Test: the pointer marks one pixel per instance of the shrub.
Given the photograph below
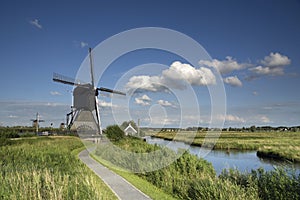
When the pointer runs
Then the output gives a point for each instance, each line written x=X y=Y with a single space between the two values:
x=114 y=133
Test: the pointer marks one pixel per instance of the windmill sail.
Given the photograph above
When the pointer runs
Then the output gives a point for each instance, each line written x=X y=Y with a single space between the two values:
x=111 y=91
x=65 y=80
x=92 y=68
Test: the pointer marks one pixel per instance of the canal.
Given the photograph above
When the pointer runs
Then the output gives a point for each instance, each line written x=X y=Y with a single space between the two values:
x=221 y=159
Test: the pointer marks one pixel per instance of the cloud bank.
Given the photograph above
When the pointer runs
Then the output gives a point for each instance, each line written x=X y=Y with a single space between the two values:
x=224 y=66
x=272 y=65
x=175 y=77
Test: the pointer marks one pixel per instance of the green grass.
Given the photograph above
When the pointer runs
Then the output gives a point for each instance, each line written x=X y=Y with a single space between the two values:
x=47 y=168
x=284 y=144
x=176 y=180
x=189 y=177
x=140 y=183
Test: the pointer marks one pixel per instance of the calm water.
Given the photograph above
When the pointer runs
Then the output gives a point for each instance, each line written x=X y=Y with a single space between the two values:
x=241 y=160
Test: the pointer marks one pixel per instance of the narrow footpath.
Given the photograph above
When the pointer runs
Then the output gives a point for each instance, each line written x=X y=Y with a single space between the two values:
x=123 y=189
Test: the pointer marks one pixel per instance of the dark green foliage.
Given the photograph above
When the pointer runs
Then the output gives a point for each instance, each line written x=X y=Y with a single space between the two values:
x=4 y=141
x=114 y=133
x=126 y=123
x=275 y=184
x=7 y=133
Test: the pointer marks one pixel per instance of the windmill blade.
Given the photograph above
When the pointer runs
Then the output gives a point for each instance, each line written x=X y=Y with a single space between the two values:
x=64 y=79
x=98 y=115
x=110 y=91
x=92 y=69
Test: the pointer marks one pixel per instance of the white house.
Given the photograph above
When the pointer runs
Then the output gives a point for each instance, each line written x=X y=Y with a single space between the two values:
x=129 y=130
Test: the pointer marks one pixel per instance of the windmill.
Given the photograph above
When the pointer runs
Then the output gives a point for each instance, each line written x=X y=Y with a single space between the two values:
x=85 y=111
x=35 y=122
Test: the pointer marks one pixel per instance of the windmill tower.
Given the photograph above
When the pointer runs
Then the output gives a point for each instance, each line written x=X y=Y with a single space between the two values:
x=35 y=122
x=84 y=116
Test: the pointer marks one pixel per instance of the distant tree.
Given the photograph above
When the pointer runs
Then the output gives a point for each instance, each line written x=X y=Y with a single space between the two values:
x=252 y=128
x=114 y=133
x=126 y=123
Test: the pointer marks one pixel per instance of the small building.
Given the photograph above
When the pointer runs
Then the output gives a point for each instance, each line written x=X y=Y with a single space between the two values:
x=129 y=130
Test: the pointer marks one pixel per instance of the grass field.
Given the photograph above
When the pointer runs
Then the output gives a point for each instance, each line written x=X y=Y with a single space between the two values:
x=281 y=145
x=189 y=177
x=47 y=168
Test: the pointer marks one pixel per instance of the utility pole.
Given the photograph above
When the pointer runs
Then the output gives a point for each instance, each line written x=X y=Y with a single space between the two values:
x=37 y=123
x=138 y=128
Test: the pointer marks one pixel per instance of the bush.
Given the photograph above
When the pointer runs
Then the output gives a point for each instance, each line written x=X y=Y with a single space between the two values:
x=114 y=133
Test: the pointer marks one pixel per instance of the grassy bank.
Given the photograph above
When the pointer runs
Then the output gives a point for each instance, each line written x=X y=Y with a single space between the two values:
x=47 y=168
x=284 y=144
x=149 y=189
x=189 y=177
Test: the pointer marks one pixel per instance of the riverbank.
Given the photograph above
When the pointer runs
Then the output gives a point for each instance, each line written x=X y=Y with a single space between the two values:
x=285 y=145
x=190 y=177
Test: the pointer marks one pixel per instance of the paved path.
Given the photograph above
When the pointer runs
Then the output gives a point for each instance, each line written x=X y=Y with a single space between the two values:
x=123 y=189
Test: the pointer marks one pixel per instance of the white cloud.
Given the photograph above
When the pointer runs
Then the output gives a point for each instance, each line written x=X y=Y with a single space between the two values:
x=55 y=93
x=224 y=66
x=272 y=65
x=83 y=44
x=234 y=118
x=175 y=77
x=264 y=119
x=36 y=23
x=255 y=93
x=231 y=118
x=105 y=104
x=233 y=81
x=143 y=100
x=165 y=103
x=158 y=121
x=276 y=60
x=269 y=71
x=149 y=83
x=185 y=72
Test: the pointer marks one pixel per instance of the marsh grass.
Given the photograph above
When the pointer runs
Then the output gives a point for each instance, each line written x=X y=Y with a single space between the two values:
x=189 y=177
x=46 y=168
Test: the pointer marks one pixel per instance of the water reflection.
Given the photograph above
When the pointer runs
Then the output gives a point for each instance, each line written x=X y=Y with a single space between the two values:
x=241 y=160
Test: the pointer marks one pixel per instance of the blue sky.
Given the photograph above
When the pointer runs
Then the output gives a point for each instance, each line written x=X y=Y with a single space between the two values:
x=254 y=44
